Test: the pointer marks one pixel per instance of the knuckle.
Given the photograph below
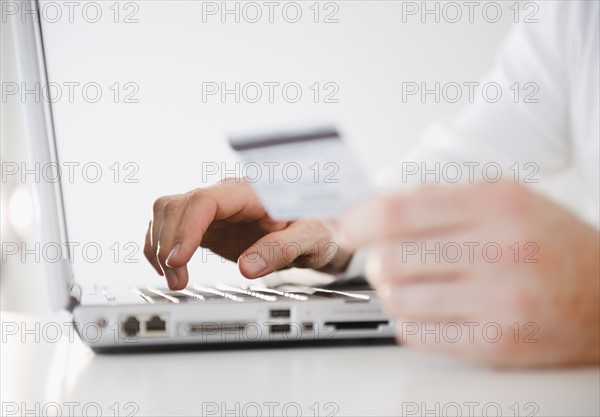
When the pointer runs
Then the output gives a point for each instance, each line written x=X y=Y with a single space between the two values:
x=196 y=196
x=272 y=250
x=318 y=228
x=200 y=197
x=278 y=245
x=171 y=206
x=159 y=203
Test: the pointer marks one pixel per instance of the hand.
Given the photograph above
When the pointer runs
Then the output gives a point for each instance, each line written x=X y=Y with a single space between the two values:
x=229 y=220
x=523 y=289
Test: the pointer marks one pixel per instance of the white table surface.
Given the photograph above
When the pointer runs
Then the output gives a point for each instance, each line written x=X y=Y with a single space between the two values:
x=382 y=380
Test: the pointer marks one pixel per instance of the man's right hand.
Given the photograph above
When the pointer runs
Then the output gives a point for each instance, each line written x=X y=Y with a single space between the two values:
x=229 y=219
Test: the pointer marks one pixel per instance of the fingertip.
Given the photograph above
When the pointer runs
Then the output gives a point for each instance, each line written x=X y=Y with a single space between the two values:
x=252 y=266
x=177 y=278
x=244 y=271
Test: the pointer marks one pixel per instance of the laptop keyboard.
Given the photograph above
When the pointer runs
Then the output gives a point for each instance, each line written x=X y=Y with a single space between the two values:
x=252 y=293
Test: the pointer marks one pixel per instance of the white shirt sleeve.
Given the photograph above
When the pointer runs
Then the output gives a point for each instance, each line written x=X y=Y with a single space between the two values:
x=546 y=136
x=535 y=129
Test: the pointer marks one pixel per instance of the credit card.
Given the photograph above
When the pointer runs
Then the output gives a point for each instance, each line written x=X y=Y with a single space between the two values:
x=302 y=173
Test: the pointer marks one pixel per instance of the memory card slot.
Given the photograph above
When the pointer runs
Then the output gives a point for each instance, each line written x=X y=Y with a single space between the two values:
x=357 y=325
x=215 y=327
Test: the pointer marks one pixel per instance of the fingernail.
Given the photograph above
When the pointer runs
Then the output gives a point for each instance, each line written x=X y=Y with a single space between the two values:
x=171 y=278
x=172 y=253
x=254 y=264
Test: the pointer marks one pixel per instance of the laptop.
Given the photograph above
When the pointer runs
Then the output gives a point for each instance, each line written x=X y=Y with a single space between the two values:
x=216 y=315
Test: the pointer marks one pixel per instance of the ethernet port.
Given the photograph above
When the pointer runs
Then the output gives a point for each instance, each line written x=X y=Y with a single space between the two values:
x=131 y=326
x=156 y=324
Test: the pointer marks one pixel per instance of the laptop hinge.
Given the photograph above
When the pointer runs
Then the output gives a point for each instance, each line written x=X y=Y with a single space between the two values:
x=74 y=297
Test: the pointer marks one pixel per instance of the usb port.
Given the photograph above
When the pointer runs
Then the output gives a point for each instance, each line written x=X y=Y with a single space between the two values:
x=280 y=328
x=280 y=313
x=156 y=324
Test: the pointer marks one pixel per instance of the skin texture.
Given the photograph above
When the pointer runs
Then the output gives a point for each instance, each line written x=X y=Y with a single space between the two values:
x=228 y=219
x=542 y=293
x=530 y=299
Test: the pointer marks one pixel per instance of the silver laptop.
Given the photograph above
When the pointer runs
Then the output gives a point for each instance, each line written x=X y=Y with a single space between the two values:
x=215 y=315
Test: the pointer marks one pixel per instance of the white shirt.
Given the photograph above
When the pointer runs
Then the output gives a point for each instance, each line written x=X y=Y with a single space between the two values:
x=560 y=133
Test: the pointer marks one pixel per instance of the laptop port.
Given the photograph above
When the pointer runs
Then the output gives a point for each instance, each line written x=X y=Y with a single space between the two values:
x=308 y=326
x=280 y=328
x=357 y=325
x=280 y=313
x=215 y=327
x=156 y=325
x=131 y=326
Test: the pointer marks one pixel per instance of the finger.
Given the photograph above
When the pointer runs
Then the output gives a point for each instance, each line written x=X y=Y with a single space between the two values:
x=269 y=225
x=280 y=249
x=445 y=301
x=321 y=249
x=157 y=215
x=177 y=278
x=506 y=302
x=398 y=262
x=230 y=200
x=149 y=253
x=426 y=211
